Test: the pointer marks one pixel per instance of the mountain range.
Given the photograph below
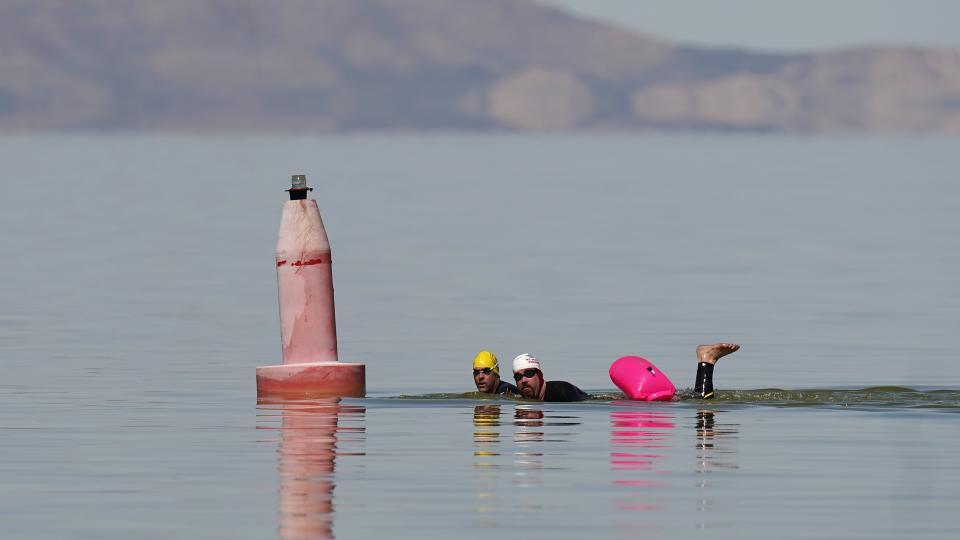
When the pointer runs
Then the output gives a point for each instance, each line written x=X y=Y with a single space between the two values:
x=451 y=65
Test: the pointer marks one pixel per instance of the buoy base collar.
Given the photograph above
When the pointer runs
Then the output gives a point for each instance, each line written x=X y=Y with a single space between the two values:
x=312 y=379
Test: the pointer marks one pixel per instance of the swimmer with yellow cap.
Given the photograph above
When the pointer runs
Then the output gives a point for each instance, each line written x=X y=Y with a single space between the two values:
x=486 y=375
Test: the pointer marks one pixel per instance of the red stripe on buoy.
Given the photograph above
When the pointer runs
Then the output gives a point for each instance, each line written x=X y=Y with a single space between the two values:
x=311 y=262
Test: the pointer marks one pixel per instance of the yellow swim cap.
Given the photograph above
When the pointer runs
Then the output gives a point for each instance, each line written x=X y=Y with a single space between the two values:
x=486 y=359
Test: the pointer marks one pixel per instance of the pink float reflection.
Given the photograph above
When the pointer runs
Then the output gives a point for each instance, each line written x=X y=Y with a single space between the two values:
x=638 y=438
x=310 y=432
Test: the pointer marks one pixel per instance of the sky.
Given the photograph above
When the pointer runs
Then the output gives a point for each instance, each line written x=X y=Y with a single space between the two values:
x=783 y=25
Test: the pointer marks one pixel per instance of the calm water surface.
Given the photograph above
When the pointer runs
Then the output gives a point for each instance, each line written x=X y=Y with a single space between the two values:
x=138 y=294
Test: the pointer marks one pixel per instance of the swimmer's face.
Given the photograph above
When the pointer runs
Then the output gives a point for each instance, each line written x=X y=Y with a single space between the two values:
x=529 y=382
x=486 y=380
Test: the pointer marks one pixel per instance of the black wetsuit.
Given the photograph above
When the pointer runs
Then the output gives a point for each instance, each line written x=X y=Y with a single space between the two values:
x=563 y=391
x=506 y=388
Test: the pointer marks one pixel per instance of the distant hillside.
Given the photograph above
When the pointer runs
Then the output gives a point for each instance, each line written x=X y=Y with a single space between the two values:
x=338 y=65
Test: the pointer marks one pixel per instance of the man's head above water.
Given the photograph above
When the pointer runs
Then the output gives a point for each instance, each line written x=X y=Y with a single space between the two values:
x=526 y=371
x=486 y=372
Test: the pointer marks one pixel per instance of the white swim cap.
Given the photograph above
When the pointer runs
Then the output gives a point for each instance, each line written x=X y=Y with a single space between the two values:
x=525 y=361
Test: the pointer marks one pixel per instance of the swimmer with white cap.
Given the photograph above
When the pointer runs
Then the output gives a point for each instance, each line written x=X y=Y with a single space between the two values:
x=486 y=375
x=530 y=382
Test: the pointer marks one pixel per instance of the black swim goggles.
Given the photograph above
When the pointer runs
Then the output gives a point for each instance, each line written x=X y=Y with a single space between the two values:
x=525 y=373
x=485 y=371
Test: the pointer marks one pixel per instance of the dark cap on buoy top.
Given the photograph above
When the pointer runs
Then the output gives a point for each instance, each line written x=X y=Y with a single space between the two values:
x=298 y=187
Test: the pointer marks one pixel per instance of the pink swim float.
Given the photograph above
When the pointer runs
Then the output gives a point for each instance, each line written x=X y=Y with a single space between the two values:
x=641 y=380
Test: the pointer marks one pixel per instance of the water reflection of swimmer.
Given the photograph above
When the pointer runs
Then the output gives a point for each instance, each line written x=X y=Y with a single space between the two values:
x=529 y=436
x=536 y=432
x=486 y=432
x=712 y=446
x=712 y=451
x=486 y=375
x=486 y=441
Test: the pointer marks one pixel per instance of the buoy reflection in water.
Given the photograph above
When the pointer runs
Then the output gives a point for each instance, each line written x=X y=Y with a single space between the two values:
x=311 y=432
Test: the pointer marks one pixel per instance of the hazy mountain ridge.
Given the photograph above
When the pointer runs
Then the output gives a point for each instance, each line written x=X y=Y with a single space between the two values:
x=332 y=65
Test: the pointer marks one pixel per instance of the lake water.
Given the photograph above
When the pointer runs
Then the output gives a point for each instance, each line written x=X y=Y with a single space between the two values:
x=137 y=295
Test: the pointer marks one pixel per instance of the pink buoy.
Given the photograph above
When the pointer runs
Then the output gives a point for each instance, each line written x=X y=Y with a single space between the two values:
x=308 y=329
x=641 y=380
